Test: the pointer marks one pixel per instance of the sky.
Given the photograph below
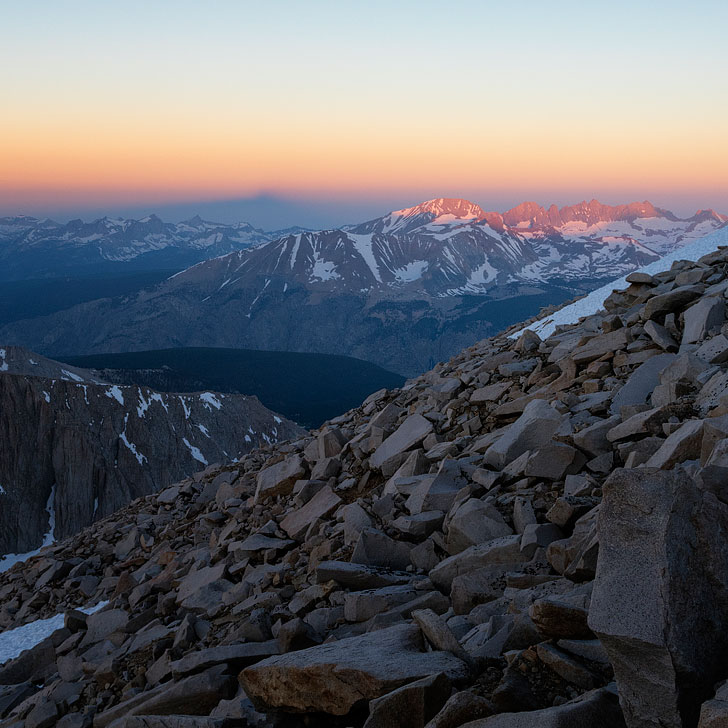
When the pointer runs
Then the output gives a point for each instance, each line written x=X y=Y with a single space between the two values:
x=312 y=112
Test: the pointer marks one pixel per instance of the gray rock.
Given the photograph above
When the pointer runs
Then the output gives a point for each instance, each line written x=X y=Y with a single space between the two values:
x=641 y=382
x=437 y=493
x=533 y=429
x=297 y=522
x=660 y=598
x=410 y=433
x=707 y=314
x=661 y=336
x=683 y=444
x=460 y=708
x=410 y=706
x=280 y=478
x=375 y=548
x=474 y=522
x=673 y=300
x=194 y=695
x=357 y=576
x=595 y=709
x=505 y=550
x=714 y=351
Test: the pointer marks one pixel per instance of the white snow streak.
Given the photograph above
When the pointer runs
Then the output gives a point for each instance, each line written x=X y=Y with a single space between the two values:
x=195 y=452
x=115 y=393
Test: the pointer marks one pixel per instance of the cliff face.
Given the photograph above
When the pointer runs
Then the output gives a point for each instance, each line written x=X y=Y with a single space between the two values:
x=103 y=445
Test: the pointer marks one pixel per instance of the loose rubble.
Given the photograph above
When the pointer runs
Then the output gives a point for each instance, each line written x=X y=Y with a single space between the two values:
x=529 y=535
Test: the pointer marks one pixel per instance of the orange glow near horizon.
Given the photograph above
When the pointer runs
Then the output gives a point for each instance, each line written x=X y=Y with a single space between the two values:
x=183 y=162
x=105 y=104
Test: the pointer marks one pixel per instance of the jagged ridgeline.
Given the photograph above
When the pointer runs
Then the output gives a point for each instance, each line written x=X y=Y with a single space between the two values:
x=531 y=534
x=402 y=291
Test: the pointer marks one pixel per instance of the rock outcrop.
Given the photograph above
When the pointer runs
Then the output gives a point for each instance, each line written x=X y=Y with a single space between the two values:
x=316 y=582
x=74 y=449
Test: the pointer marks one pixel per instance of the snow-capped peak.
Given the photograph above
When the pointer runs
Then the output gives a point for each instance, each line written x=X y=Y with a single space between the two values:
x=458 y=208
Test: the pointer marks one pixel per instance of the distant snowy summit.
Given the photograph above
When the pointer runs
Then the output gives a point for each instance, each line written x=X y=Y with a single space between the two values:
x=452 y=247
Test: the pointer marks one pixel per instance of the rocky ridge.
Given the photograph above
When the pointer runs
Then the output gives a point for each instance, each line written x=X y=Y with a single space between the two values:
x=531 y=534
x=74 y=448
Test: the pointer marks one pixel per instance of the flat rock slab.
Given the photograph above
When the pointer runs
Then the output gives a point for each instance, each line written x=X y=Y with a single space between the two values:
x=412 y=431
x=236 y=656
x=333 y=677
x=296 y=523
x=358 y=576
x=641 y=382
x=595 y=709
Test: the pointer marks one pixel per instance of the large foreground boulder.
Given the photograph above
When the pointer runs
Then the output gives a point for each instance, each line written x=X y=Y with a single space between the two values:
x=660 y=599
x=333 y=677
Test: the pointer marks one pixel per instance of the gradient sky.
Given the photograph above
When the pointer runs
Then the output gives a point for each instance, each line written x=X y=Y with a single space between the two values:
x=172 y=105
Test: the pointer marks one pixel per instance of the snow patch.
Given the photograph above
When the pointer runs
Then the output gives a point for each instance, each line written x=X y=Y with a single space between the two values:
x=195 y=452
x=210 y=399
x=324 y=270
x=411 y=272
x=15 y=641
x=115 y=393
x=4 y=366
x=71 y=375
x=363 y=245
x=9 y=560
x=185 y=407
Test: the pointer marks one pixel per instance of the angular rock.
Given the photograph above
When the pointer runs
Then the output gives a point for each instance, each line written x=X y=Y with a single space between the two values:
x=707 y=314
x=683 y=444
x=641 y=382
x=375 y=548
x=296 y=523
x=475 y=522
x=280 y=478
x=660 y=598
x=410 y=706
x=595 y=709
x=334 y=677
x=411 y=432
x=533 y=429
x=673 y=300
x=505 y=550
x=357 y=576
x=437 y=493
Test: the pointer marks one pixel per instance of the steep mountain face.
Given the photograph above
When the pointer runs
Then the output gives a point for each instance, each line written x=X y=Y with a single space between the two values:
x=74 y=448
x=402 y=291
x=530 y=535
x=32 y=248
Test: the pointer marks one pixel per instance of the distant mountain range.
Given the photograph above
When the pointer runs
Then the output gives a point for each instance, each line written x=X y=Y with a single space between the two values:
x=32 y=248
x=403 y=290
